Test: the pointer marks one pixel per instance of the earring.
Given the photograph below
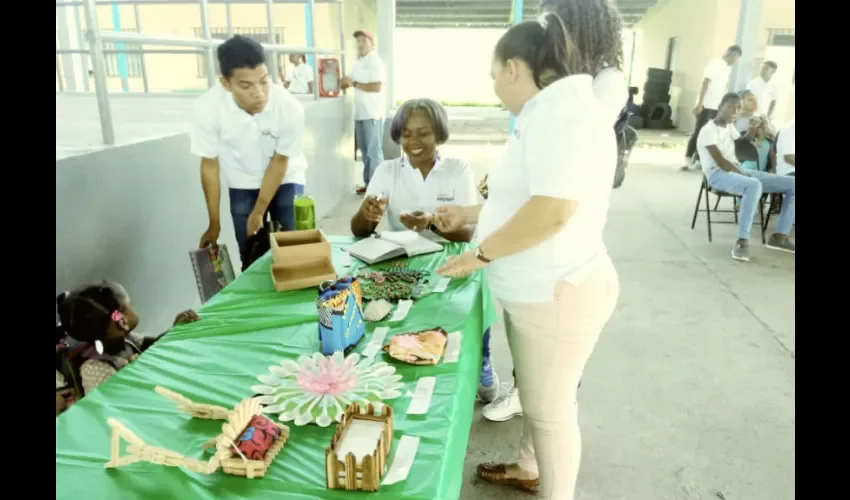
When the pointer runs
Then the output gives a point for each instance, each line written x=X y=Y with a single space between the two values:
x=98 y=346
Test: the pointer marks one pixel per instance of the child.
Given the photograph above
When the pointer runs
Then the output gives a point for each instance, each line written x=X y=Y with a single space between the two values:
x=101 y=317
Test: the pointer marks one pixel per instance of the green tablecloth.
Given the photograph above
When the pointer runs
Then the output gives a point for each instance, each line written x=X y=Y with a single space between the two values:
x=246 y=328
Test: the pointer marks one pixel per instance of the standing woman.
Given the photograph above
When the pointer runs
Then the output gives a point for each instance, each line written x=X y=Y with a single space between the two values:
x=596 y=30
x=540 y=241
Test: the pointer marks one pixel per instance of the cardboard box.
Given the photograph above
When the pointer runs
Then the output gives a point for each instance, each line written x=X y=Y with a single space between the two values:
x=302 y=259
x=304 y=273
x=290 y=246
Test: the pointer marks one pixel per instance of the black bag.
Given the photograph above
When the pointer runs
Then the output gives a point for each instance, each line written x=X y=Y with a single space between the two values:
x=626 y=139
x=257 y=245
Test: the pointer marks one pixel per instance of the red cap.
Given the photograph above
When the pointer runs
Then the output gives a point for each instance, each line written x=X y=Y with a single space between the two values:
x=367 y=34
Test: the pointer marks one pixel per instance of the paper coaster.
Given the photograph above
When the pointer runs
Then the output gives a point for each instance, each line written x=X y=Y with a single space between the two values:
x=402 y=310
x=376 y=343
x=422 y=396
x=452 y=348
x=405 y=453
x=442 y=284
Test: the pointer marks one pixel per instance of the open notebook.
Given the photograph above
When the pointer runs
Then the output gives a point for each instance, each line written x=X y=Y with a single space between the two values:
x=391 y=244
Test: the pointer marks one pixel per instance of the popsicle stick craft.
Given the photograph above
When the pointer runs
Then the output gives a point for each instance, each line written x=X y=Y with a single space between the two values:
x=247 y=445
x=357 y=456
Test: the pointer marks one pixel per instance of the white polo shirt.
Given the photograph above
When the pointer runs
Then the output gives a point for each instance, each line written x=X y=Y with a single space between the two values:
x=369 y=105
x=723 y=138
x=718 y=72
x=785 y=146
x=450 y=182
x=244 y=143
x=611 y=89
x=765 y=93
x=299 y=77
x=562 y=147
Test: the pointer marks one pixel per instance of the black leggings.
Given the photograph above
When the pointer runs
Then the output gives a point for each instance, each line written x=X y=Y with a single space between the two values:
x=705 y=116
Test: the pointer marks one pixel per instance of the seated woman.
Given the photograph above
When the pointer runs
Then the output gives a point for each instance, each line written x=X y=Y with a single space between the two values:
x=101 y=318
x=408 y=189
x=763 y=138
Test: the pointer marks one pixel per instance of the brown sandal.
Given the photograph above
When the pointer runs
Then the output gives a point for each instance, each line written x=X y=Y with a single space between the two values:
x=495 y=474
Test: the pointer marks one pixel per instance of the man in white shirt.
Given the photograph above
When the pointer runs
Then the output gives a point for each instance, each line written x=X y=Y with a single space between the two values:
x=716 y=147
x=300 y=79
x=251 y=130
x=785 y=164
x=764 y=88
x=715 y=80
x=367 y=77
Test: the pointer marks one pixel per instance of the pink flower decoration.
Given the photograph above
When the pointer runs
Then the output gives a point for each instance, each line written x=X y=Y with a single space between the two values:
x=331 y=378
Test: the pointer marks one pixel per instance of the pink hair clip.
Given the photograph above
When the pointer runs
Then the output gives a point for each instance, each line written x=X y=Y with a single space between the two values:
x=117 y=316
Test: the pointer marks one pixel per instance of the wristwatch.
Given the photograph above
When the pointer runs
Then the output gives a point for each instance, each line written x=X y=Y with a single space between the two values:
x=481 y=257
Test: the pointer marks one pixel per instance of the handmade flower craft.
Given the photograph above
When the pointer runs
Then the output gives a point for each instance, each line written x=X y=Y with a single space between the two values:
x=317 y=389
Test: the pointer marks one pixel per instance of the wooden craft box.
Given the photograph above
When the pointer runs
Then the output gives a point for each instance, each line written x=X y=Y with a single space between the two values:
x=365 y=475
x=302 y=259
x=237 y=420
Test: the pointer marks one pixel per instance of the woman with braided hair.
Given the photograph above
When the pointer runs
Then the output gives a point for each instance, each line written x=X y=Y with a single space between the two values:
x=101 y=318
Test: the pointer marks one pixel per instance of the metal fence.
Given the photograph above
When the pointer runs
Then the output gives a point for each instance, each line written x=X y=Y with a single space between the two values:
x=132 y=43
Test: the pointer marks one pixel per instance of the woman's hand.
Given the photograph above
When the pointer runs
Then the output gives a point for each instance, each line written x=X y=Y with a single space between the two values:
x=461 y=266
x=373 y=209
x=450 y=218
x=417 y=221
x=187 y=316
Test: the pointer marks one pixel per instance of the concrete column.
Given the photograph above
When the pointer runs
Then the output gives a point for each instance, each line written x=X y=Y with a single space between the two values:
x=749 y=20
x=74 y=72
x=386 y=47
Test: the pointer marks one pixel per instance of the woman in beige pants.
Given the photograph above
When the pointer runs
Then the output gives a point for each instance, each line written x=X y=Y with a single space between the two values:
x=540 y=241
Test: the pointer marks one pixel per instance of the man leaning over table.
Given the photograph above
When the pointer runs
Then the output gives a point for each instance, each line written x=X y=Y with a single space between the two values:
x=251 y=130
x=367 y=77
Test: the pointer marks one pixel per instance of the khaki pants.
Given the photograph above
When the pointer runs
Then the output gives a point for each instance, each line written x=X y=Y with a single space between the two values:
x=550 y=345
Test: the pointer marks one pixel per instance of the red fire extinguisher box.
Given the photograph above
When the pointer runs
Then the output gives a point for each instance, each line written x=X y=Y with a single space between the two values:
x=329 y=76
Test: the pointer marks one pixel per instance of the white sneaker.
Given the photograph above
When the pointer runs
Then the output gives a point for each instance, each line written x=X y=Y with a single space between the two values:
x=504 y=407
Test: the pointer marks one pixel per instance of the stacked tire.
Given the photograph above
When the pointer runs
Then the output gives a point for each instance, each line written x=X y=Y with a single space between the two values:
x=656 y=110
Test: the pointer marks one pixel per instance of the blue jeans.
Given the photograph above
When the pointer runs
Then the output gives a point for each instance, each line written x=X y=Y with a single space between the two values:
x=486 y=349
x=750 y=188
x=370 y=135
x=281 y=209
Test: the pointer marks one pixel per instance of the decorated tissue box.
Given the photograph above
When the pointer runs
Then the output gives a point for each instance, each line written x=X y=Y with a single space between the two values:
x=340 y=311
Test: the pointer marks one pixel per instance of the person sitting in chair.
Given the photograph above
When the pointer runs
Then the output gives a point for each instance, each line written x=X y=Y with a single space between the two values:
x=763 y=136
x=716 y=149
x=785 y=150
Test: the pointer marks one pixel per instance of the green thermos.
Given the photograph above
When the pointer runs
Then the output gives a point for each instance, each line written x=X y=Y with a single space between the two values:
x=305 y=213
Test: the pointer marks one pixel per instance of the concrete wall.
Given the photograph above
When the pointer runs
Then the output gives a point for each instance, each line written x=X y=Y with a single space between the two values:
x=131 y=213
x=695 y=24
x=704 y=28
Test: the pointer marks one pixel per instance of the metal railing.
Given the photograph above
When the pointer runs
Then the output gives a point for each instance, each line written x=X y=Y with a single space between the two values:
x=205 y=45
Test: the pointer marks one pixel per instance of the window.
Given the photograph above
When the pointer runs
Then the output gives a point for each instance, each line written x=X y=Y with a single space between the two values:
x=134 y=60
x=781 y=38
x=258 y=34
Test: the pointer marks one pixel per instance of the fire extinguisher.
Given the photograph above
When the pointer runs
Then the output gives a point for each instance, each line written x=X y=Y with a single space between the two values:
x=329 y=77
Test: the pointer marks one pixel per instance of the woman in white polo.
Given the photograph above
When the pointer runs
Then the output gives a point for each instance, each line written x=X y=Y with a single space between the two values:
x=540 y=241
x=407 y=190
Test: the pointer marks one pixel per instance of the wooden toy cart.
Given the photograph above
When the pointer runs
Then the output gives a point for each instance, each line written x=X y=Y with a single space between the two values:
x=365 y=475
x=226 y=456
